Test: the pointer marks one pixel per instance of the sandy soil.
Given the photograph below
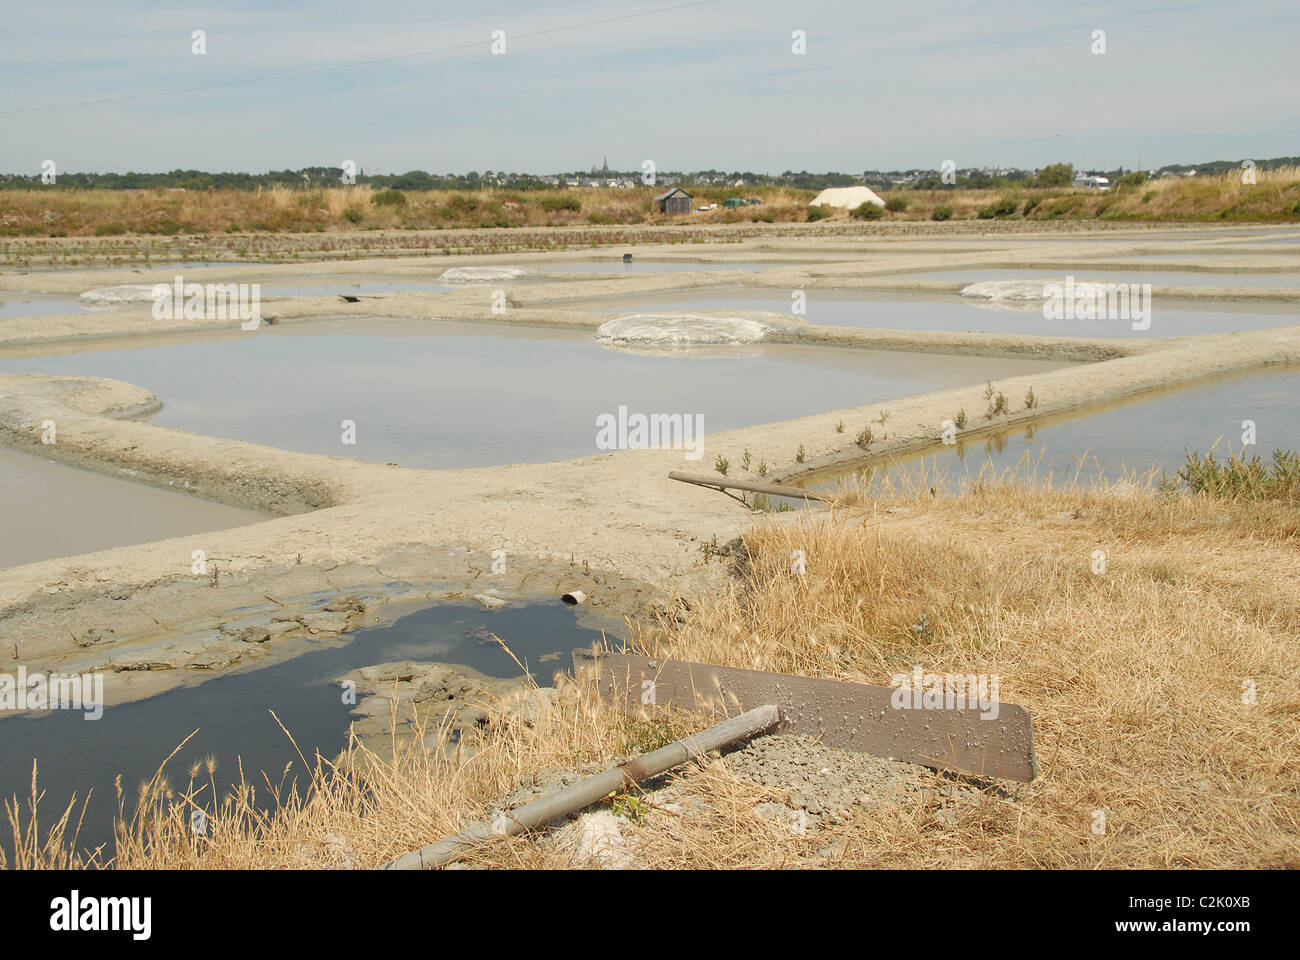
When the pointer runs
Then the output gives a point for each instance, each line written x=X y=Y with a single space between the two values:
x=613 y=524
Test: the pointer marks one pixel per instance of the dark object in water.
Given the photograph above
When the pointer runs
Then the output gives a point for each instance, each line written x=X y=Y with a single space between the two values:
x=347 y=299
x=627 y=258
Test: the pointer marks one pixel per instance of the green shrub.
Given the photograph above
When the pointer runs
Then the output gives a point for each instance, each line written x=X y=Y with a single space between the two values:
x=390 y=198
x=552 y=204
x=350 y=214
x=896 y=203
x=1006 y=205
x=941 y=212
x=868 y=211
x=109 y=229
x=459 y=204
x=1055 y=175
x=1239 y=478
x=818 y=212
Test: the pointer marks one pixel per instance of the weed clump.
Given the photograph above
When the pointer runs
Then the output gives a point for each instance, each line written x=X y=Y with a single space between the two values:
x=1240 y=479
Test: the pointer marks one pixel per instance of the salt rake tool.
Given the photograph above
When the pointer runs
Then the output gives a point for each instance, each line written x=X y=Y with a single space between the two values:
x=586 y=792
x=771 y=489
x=987 y=740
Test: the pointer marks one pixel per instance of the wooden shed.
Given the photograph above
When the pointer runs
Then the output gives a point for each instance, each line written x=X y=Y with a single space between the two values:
x=675 y=200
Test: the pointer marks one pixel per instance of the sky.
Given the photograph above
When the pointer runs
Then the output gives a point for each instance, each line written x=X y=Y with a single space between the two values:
x=397 y=85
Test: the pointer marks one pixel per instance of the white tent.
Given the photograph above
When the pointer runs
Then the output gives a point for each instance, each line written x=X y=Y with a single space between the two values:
x=849 y=198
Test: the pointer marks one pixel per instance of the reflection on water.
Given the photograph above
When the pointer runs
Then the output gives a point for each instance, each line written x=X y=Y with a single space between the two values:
x=231 y=713
x=441 y=394
x=652 y=266
x=13 y=304
x=52 y=510
x=900 y=311
x=1287 y=277
x=1152 y=433
x=353 y=288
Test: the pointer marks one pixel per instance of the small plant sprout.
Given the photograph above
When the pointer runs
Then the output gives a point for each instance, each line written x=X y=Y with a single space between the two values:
x=961 y=419
x=1000 y=404
x=722 y=465
x=922 y=627
x=762 y=468
x=1031 y=401
x=839 y=427
x=884 y=417
x=988 y=392
x=800 y=455
x=744 y=461
x=865 y=438
x=626 y=805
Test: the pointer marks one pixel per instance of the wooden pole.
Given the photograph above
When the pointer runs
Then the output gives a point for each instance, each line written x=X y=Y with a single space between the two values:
x=586 y=792
x=772 y=489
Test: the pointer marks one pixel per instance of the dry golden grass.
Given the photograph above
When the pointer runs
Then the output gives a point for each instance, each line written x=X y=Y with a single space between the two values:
x=1134 y=677
x=72 y=212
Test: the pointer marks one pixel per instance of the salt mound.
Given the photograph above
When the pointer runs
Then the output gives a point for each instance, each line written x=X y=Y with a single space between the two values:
x=678 y=330
x=850 y=198
x=1024 y=289
x=1012 y=306
x=1005 y=290
x=126 y=293
x=481 y=274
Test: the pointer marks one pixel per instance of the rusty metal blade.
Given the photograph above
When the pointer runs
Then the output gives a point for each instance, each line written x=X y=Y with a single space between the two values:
x=851 y=716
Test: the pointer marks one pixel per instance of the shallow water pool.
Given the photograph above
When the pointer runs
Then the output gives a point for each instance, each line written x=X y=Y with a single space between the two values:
x=652 y=266
x=15 y=304
x=1285 y=279
x=1151 y=432
x=853 y=308
x=354 y=288
x=50 y=510
x=230 y=712
x=443 y=394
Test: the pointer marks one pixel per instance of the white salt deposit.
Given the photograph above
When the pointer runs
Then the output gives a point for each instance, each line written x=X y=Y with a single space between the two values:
x=849 y=198
x=1005 y=290
x=112 y=296
x=682 y=329
x=1032 y=290
x=481 y=274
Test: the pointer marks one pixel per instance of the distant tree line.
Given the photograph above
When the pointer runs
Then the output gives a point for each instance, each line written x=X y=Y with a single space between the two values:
x=1055 y=175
